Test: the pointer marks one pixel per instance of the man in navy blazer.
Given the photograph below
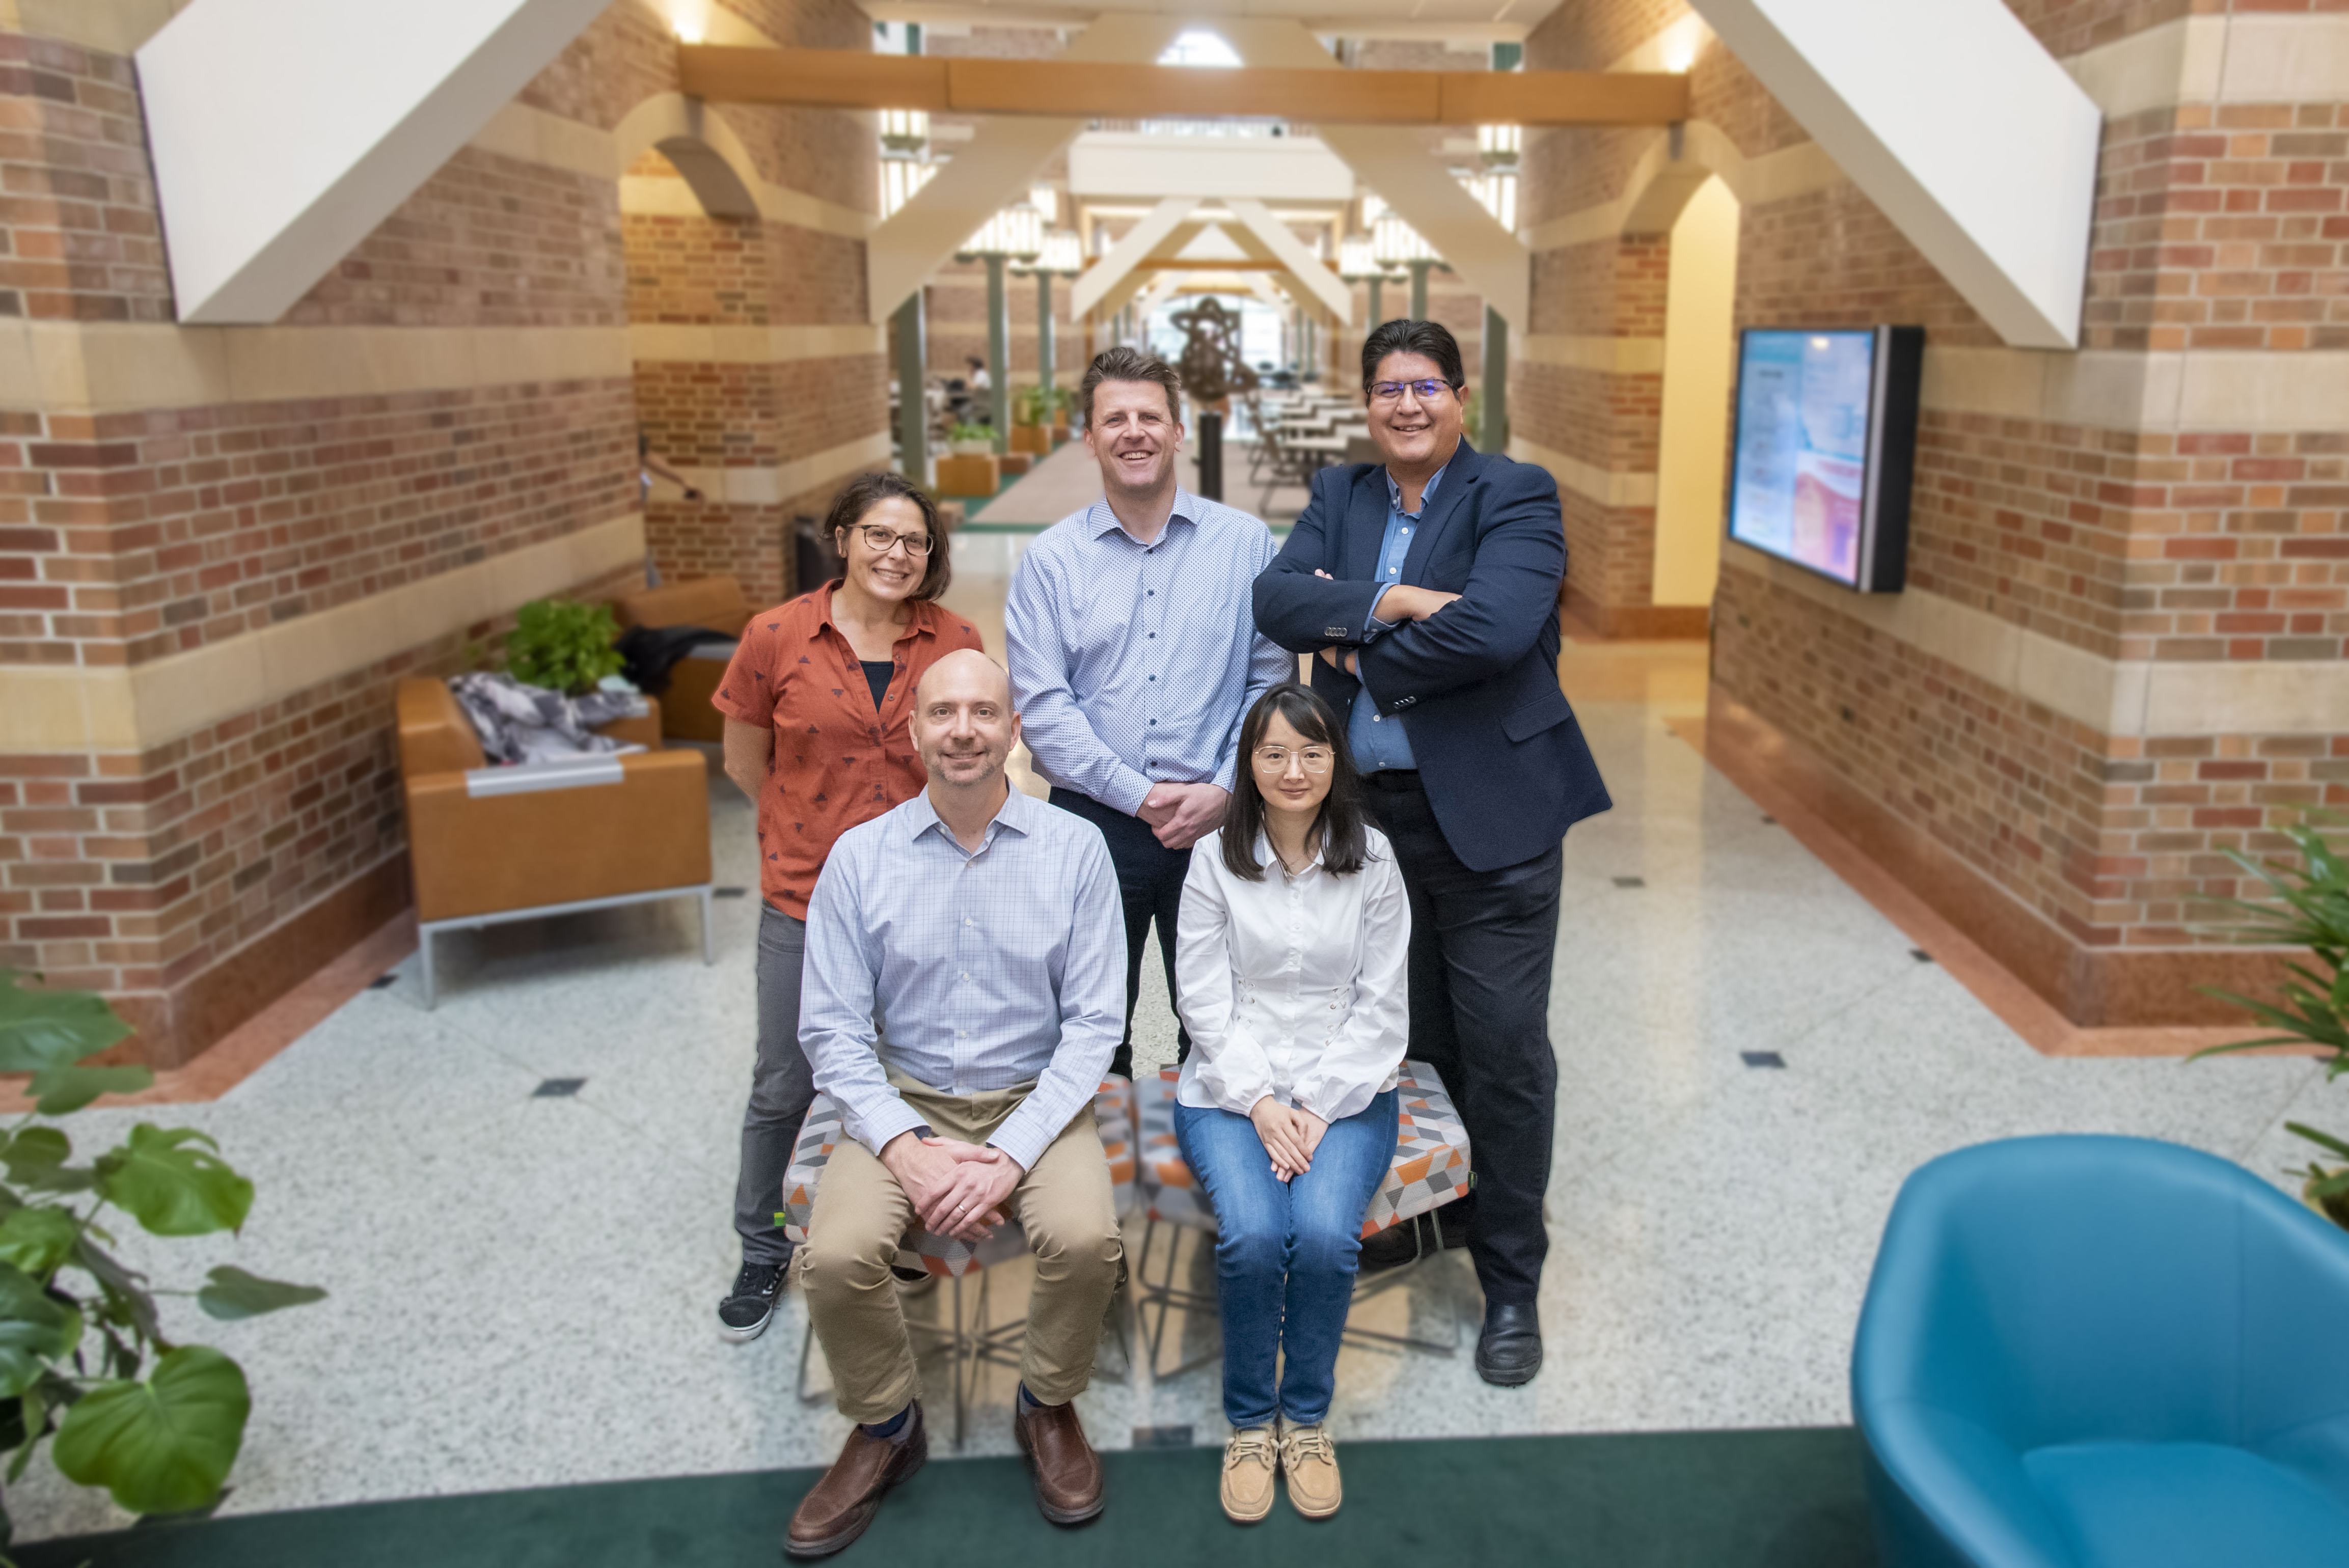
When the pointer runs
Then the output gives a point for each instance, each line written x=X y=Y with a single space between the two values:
x=1426 y=586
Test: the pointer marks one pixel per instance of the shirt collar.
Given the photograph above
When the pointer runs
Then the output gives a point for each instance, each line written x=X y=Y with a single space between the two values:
x=1101 y=521
x=1269 y=858
x=1017 y=815
x=1426 y=496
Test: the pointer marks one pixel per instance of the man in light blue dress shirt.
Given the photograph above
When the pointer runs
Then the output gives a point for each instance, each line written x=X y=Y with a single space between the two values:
x=961 y=997
x=1134 y=652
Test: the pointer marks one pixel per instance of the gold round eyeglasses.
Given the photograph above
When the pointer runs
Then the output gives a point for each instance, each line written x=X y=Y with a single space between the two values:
x=1275 y=759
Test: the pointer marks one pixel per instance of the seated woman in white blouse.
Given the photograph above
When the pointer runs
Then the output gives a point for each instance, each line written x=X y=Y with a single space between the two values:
x=1290 y=965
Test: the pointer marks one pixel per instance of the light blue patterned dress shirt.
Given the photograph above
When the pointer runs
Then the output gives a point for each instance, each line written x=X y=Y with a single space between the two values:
x=1378 y=741
x=1133 y=663
x=966 y=972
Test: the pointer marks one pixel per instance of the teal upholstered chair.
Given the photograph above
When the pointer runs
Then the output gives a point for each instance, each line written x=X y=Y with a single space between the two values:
x=2105 y=1352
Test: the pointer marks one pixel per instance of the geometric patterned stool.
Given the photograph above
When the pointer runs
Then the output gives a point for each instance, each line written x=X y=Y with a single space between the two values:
x=968 y=1349
x=1430 y=1168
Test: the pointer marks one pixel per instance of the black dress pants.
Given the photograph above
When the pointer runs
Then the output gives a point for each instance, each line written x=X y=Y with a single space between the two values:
x=1481 y=948
x=1150 y=882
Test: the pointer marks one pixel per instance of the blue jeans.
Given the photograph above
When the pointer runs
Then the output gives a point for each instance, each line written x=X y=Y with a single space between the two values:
x=1285 y=1253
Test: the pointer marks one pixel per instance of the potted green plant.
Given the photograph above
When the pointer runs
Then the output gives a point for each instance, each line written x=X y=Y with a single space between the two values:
x=964 y=440
x=2310 y=912
x=1030 y=405
x=563 y=646
x=78 y=1325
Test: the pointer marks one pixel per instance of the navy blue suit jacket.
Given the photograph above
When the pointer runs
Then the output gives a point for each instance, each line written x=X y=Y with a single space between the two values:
x=1476 y=685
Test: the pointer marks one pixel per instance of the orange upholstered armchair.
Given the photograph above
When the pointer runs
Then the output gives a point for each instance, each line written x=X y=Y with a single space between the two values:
x=716 y=603
x=495 y=844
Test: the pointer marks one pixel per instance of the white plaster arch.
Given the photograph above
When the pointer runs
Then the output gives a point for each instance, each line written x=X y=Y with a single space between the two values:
x=704 y=148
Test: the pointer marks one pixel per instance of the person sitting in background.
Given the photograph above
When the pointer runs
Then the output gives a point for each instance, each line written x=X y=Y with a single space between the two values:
x=963 y=998
x=1290 y=970
x=818 y=703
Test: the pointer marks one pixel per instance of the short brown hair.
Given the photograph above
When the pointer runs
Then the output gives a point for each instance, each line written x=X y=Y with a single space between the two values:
x=1125 y=364
x=865 y=491
x=1429 y=339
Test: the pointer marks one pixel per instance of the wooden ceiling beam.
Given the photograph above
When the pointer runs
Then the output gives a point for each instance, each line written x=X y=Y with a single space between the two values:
x=853 y=78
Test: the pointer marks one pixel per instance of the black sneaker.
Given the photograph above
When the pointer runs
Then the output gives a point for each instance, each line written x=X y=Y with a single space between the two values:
x=742 y=1317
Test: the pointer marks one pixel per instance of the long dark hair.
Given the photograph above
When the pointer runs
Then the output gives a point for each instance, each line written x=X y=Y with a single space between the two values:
x=1341 y=823
x=865 y=491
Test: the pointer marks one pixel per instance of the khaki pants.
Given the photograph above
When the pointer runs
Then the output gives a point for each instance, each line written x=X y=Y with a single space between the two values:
x=1064 y=1205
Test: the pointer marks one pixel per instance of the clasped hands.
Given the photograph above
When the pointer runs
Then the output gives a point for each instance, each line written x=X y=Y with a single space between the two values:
x=957 y=1189
x=1183 y=814
x=1401 y=602
x=1290 y=1135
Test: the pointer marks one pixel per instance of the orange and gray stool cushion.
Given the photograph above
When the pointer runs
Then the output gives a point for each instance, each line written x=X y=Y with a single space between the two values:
x=1430 y=1167
x=927 y=1250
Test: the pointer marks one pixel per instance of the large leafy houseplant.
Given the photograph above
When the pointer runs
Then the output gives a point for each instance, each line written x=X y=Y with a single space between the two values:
x=78 y=1325
x=563 y=646
x=2311 y=912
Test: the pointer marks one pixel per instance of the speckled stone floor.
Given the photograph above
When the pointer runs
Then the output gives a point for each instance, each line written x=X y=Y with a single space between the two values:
x=522 y=1287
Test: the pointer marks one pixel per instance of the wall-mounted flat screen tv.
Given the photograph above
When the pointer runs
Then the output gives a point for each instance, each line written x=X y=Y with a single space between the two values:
x=1826 y=450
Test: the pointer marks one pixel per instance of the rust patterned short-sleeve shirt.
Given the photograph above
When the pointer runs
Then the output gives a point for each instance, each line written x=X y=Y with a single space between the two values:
x=836 y=762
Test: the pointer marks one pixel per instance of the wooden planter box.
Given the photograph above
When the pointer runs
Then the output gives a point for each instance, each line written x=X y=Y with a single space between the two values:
x=968 y=476
x=1034 y=440
x=1014 y=464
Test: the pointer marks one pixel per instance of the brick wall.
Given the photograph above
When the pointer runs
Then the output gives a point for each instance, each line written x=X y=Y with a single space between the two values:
x=2217 y=230
x=138 y=535
x=197 y=875
x=78 y=234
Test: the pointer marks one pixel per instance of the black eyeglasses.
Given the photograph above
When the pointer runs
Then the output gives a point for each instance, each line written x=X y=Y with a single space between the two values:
x=885 y=540
x=1425 y=391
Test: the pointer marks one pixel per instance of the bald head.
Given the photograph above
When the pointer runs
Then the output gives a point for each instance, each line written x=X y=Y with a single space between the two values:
x=963 y=724
x=965 y=670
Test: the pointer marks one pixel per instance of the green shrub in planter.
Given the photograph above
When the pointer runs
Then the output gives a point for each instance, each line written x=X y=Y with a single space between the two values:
x=77 y=1326
x=2311 y=912
x=563 y=645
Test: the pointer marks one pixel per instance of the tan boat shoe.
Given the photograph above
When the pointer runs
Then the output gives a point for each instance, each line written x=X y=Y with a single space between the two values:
x=1251 y=1459
x=1310 y=1459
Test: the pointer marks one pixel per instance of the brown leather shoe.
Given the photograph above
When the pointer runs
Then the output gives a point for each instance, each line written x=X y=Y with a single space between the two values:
x=1066 y=1472
x=838 y=1508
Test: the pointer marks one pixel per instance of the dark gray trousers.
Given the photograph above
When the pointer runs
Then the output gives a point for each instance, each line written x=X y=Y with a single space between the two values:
x=782 y=1085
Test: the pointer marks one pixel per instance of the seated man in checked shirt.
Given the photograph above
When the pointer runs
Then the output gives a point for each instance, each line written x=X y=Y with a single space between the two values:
x=964 y=989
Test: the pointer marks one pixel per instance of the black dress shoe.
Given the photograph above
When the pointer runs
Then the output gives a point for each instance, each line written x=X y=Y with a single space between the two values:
x=1509 y=1351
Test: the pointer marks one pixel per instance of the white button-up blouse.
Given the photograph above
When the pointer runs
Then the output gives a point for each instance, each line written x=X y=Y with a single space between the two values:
x=1292 y=986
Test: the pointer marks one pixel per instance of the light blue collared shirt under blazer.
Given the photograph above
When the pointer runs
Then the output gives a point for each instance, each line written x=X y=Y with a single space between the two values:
x=1133 y=663
x=1377 y=739
x=966 y=972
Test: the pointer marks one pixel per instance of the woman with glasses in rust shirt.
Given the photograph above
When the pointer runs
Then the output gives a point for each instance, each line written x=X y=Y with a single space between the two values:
x=818 y=702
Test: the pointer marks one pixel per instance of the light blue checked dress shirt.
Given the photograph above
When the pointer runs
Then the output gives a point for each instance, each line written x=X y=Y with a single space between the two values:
x=1378 y=741
x=964 y=972
x=1131 y=664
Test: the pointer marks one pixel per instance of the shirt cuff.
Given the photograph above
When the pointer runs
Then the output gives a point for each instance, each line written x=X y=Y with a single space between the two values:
x=877 y=1124
x=1019 y=1138
x=1371 y=625
x=1128 y=790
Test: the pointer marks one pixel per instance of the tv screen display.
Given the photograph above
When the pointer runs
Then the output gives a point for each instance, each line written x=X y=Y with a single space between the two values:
x=1825 y=447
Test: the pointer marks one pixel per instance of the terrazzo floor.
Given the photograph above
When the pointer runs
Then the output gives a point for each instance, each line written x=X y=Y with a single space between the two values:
x=522 y=1286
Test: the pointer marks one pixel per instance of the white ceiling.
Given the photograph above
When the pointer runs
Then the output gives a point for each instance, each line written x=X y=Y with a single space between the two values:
x=1461 y=21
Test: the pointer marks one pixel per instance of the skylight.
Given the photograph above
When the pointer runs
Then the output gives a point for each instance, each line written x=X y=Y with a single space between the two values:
x=1199 y=48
